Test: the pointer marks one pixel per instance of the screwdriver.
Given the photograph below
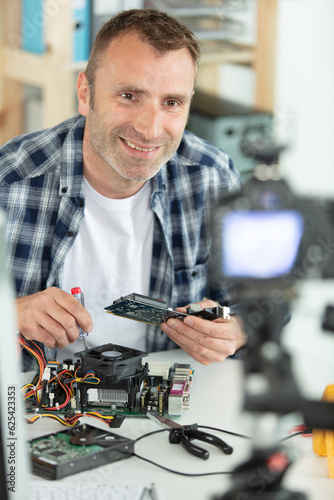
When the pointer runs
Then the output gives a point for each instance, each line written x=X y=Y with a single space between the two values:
x=78 y=294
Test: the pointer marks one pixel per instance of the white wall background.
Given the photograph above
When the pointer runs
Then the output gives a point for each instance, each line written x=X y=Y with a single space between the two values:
x=305 y=93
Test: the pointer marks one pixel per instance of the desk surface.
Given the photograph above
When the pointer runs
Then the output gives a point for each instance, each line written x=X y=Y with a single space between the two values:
x=216 y=400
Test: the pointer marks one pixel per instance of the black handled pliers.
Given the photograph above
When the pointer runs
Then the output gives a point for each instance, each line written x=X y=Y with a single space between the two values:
x=184 y=434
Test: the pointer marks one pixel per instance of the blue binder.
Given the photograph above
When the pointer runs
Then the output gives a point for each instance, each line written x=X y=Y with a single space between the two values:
x=81 y=33
x=33 y=28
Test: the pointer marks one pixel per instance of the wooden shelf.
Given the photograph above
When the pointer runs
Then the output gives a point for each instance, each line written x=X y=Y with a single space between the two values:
x=228 y=53
x=54 y=72
x=261 y=58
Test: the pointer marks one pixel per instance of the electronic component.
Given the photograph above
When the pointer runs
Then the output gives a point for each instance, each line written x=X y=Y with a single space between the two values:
x=179 y=395
x=155 y=311
x=109 y=382
x=231 y=126
x=120 y=371
x=68 y=452
x=209 y=313
x=145 y=309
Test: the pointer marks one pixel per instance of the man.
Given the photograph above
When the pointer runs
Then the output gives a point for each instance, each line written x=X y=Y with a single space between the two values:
x=118 y=200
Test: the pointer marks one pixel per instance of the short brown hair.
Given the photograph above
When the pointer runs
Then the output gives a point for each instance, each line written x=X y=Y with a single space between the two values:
x=162 y=31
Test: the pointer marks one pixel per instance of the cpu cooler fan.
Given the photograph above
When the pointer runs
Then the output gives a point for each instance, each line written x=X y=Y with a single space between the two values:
x=120 y=371
x=111 y=362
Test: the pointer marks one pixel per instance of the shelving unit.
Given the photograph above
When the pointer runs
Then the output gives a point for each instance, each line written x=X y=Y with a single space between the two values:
x=52 y=71
x=55 y=73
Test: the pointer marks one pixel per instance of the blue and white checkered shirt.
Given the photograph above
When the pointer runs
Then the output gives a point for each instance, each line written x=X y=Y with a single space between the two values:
x=41 y=189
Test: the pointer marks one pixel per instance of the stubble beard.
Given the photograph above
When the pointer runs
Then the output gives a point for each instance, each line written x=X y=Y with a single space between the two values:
x=108 y=147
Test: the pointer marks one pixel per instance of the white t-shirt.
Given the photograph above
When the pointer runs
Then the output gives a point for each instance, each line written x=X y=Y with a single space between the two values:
x=110 y=258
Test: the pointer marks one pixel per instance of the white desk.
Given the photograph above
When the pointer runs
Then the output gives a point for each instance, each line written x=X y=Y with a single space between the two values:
x=216 y=400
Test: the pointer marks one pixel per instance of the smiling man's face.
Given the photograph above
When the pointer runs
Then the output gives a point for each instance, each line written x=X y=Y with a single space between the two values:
x=140 y=109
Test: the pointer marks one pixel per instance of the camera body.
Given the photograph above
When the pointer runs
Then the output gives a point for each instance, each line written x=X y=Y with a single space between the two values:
x=266 y=238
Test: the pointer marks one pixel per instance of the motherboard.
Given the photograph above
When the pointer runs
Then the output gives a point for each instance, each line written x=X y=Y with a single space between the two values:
x=110 y=380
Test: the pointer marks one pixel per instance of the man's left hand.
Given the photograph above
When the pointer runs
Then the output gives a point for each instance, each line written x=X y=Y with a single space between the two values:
x=206 y=341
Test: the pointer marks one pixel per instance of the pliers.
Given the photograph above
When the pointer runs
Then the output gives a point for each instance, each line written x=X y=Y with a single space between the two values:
x=184 y=434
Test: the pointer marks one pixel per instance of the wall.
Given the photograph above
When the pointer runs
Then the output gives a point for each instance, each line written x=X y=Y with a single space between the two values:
x=304 y=93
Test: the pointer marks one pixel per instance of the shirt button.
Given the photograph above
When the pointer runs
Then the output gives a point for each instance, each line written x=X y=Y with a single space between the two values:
x=70 y=233
x=81 y=203
x=64 y=189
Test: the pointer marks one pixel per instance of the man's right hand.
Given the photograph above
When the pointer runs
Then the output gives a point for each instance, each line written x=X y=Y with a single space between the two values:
x=52 y=317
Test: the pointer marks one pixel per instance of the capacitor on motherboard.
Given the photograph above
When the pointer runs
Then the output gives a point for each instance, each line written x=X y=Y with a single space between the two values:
x=161 y=401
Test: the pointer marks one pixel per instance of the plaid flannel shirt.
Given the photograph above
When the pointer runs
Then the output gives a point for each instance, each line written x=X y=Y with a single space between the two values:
x=41 y=190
